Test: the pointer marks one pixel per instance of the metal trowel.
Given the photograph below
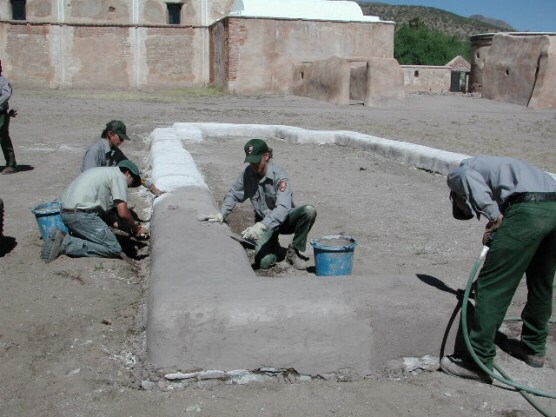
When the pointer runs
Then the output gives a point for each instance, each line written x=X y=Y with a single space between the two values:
x=249 y=244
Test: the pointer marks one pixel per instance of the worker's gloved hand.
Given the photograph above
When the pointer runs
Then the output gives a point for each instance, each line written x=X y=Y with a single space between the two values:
x=12 y=113
x=214 y=218
x=491 y=227
x=254 y=232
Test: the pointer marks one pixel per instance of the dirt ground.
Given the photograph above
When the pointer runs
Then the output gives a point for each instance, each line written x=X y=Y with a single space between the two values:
x=72 y=331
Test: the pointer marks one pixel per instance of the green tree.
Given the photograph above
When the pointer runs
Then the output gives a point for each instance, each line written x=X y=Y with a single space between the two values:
x=417 y=44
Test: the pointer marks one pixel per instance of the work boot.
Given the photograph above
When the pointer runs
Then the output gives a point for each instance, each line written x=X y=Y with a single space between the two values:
x=520 y=351
x=52 y=247
x=295 y=259
x=9 y=170
x=464 y=369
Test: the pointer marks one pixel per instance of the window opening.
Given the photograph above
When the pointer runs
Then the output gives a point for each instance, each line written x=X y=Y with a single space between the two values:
x=18 y=10
x=174 y=13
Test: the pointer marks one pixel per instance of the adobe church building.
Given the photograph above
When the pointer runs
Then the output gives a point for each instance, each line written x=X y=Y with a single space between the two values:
x=515 y=67
x=244 y=46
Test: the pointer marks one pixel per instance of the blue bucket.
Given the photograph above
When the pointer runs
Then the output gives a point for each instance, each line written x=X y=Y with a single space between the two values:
x=49 y=216
x=333 y=255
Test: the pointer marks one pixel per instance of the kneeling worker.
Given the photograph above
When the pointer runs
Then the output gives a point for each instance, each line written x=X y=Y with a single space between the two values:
x=89 y=197
x=269 y=189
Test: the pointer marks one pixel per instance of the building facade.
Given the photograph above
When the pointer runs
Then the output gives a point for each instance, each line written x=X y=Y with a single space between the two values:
x=154 y=44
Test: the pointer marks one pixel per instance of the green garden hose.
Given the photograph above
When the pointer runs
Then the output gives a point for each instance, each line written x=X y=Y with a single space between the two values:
x=503 y=378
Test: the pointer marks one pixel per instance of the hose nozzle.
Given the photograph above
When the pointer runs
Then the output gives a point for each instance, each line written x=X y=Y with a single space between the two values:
x=483 y=252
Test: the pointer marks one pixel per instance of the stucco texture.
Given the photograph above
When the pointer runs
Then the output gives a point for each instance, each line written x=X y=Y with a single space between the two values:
x=121 y=57
x=519 y=68
x=269 y=48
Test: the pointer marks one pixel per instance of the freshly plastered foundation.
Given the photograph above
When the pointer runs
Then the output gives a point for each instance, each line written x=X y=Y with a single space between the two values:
x=207 y=310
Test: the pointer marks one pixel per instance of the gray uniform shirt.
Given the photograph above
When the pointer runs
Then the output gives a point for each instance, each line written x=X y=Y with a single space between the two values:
x=486 y=182
x=271 y=195
x=96 y=189
x=5 y=94
x=97 y=155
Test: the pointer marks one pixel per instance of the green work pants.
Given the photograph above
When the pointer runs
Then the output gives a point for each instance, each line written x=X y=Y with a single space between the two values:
x=5 y=141
x=525 y=243
x=299 y=222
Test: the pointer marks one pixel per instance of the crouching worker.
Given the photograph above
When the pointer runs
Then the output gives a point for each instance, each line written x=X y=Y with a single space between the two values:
x=269 y=189
x=519 y=201
x=107 y=153
x=91 y=195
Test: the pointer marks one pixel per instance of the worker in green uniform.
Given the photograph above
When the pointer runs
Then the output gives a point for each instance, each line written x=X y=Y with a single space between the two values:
x=269 y=189
x=519 y=201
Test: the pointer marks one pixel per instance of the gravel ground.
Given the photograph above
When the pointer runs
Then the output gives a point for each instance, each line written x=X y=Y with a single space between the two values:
x=71 y=338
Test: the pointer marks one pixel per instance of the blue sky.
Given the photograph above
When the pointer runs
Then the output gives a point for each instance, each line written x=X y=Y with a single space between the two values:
x=523 y=15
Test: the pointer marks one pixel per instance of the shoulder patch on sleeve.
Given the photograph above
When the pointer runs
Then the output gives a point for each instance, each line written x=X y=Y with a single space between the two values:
x=282 y=185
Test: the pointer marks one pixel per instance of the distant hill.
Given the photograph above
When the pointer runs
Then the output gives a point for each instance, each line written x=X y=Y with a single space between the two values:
x=494 y=22
x=440 y=20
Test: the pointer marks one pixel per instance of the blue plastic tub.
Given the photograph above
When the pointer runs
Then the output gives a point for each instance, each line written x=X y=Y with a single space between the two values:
x=49 y=216
x=333 y=255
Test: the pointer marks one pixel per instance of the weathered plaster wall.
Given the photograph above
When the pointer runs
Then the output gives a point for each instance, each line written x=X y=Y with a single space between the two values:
x=41 y=10
x=544 y=93
x=434 y=79
x=323 y=80
x=104 y=56
x=516 y=69
x=510 y=68
x=384 y=83
x=376 y=81
x=358 y=80
x=260 y=53
x=146 y=12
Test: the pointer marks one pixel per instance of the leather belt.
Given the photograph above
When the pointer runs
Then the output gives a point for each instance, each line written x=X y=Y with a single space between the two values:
x=73 y=211
x=528 y=197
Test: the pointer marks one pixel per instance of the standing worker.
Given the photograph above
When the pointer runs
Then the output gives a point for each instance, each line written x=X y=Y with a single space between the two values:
x=107 y=153
x=5 y=114
x=519 y=201
x=84 y=204
x=269 y=189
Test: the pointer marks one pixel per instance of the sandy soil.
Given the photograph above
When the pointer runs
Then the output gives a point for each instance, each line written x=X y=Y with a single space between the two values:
x=71 y=338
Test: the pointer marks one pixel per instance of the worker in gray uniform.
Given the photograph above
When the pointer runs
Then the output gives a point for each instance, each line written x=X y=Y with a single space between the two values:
x=269 y=189
x=107 y=153
x=519 y=201
x=5 y=114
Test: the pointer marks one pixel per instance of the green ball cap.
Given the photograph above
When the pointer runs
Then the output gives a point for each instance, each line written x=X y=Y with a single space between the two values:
x=126 y=163
x=254 y=150
x=116 y=126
